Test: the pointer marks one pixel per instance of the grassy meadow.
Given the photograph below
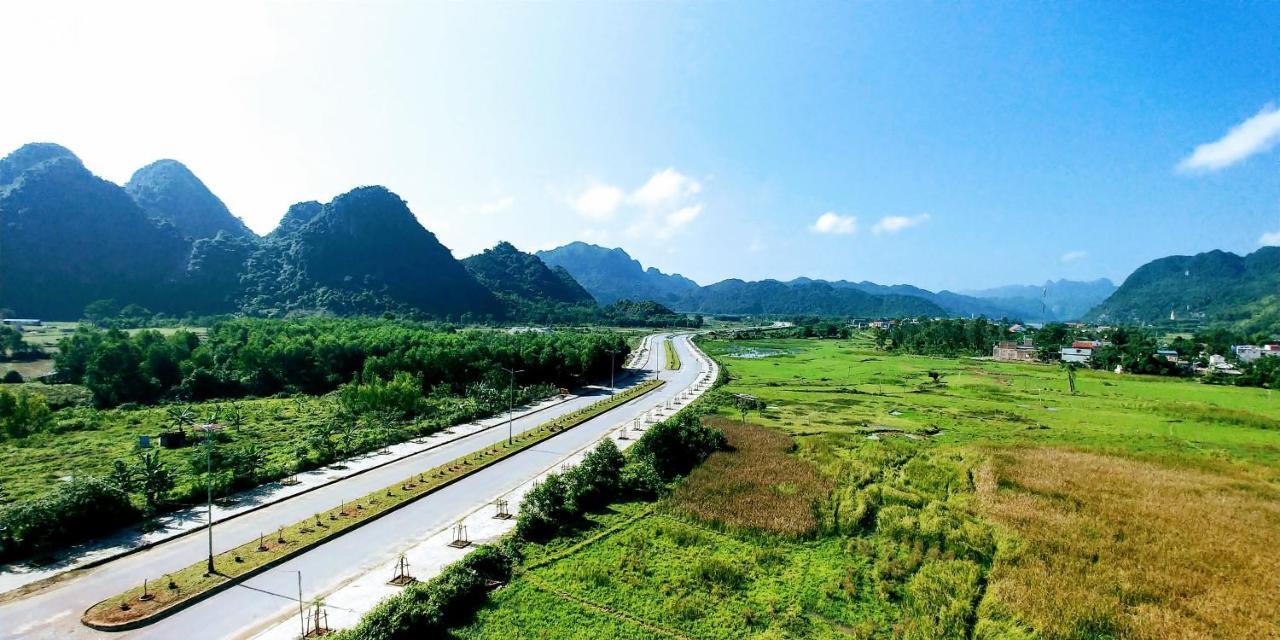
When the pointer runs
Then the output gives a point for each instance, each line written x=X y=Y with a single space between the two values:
x=884 y=496
x=87 y=440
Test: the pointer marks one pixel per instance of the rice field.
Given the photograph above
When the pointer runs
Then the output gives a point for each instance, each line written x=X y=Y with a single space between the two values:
x=883 y=496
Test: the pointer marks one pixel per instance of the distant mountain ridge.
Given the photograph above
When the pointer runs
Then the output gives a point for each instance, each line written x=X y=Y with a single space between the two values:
x=611 y=275
x=68 y=237
x=164 y=241
x=1211 y=286
x=1053 y=300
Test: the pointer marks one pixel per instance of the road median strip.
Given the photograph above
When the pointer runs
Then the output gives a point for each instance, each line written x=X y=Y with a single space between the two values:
x=673 y=358
x=170 y=593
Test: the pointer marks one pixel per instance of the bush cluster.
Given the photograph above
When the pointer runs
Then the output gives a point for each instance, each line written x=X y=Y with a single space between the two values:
x=23 y=413
x=80 y=508
x=667 y=450
x=428 y=609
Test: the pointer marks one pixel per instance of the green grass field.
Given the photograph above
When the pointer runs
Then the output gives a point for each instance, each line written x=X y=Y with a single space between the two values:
x=988 y=503
x=88 y=440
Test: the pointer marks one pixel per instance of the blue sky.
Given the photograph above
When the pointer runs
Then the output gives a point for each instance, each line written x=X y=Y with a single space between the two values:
x=947 y=145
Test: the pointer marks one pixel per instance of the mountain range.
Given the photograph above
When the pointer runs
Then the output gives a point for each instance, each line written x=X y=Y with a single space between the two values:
x=166 y=242
x=611 y=274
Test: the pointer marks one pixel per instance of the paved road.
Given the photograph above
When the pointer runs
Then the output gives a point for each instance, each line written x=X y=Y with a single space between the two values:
x=55 y=612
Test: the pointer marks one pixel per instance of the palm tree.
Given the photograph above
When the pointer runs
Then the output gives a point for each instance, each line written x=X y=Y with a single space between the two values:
x=348 y=430
x=250 y=460
x=235 y=417
x=154 y=478
x=1071 y=375
x=181 y=417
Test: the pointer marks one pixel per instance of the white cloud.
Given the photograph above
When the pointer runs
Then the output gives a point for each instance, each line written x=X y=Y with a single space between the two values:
x=664 y=186
x=1253 y=136
x=1270 y=239
x=1072 y=256
x=677 y=219
x=501 y=204
x=894 y=224
x=834 y=223
x=598 y=202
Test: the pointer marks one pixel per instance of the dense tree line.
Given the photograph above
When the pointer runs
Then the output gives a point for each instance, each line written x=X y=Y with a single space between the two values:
x=946 y=337
x=256 y=357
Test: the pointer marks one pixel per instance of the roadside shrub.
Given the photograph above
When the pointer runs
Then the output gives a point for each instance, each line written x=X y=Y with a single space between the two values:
x=544 y=509
x=400 y=397
x=78 y=510
x=675 y=445
x=560 y=500
x=12 y=377
x=428 y=609
x=596 y=480
x=640 y=479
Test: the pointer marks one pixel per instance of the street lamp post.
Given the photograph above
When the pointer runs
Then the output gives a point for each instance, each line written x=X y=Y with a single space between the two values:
x=511 y=400
x=208 y=449
x=612 y=354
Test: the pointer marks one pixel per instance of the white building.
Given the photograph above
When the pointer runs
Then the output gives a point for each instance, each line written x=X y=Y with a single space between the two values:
x=1251 y=352
x=1079 y=355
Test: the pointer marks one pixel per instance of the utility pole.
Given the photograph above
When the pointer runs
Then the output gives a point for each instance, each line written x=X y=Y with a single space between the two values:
x=511 y=400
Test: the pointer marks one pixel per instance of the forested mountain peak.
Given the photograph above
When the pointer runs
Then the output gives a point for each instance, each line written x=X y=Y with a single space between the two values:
x=168 y=191
x=28 y=156
x=510 y=271
x=70 y=237
x=363 y=251
x=296 y=217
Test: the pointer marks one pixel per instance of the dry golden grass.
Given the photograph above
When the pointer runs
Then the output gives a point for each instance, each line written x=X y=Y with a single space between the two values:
x=1115 y=547
x=758 y=484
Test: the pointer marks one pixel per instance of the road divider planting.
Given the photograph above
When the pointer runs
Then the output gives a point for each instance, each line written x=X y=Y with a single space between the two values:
x=169 y=593
x=673 y=358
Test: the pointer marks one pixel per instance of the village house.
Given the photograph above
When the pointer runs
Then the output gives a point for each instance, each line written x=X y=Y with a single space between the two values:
x=1009 y=351
x=1251 y=352
x=1080 y=351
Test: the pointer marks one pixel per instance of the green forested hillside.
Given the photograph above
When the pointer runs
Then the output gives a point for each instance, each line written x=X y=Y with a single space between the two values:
x=1216 y=286
x=508 y=271
x=68 y=238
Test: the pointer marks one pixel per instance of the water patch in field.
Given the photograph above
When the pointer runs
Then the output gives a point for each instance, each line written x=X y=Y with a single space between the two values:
x=755 y=353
